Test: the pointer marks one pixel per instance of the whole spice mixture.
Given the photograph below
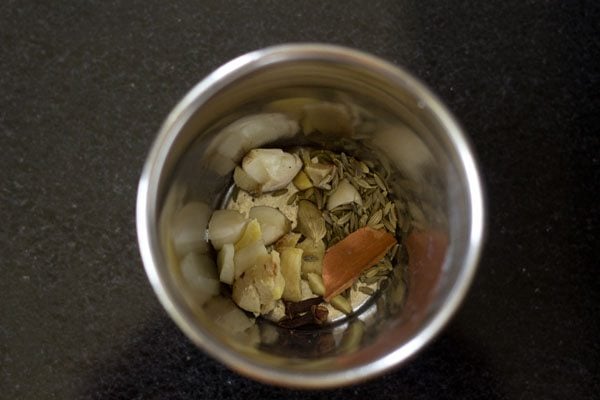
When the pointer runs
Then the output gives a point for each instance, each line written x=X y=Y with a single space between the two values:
x=305 y=235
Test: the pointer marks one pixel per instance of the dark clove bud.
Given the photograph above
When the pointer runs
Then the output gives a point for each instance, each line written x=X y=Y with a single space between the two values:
x=297 y=322
x=320 y=314
x=316 y=315
x=293 y=309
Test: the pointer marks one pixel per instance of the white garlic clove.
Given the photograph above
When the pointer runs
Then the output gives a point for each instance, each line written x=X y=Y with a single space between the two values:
x=245 y=182
x=272 y=168
x=320 y=174
x=273 y=224
x=225 y=226
x=246 y=257
x=345 y=193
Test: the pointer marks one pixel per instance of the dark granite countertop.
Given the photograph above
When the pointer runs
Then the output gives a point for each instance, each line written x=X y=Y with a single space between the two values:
x=85 y=85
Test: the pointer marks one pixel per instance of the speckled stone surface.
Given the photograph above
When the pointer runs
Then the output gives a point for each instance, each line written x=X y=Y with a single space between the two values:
x=85 y=85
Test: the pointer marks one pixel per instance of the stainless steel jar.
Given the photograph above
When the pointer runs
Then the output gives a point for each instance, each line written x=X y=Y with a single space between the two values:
x=401 y=124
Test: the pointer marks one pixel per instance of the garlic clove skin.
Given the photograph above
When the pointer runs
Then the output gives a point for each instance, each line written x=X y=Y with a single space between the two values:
x=345 y=193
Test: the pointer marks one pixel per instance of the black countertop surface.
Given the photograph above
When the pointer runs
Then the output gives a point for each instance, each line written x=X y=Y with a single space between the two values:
x=85 y=85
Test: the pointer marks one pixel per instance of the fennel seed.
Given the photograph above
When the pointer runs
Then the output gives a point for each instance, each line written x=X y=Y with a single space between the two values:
x=292 y=199
x=375 y=218
x=278 y=193
x=366 y=290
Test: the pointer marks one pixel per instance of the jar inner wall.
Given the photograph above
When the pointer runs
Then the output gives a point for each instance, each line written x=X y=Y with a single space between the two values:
x=390 y=126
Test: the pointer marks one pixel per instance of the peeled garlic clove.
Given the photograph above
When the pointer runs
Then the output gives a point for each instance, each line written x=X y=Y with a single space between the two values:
x=345 y=193
x=320 y=174
x=225 y=226
x=272 y=168
x=200 y=276
x=188 y=230
x=229 y=146
x=254 y=164
x=245 y=182
x=225 y=262
x=273 y=224
x=310 y=221
x=291 y=261
x=247 y=256
x=282 y=166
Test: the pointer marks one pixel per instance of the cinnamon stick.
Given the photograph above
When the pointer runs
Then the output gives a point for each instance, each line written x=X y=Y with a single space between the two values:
x=347 y=259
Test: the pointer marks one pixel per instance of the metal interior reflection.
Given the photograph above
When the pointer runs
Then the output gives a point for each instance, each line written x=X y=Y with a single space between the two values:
x=362 y=123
